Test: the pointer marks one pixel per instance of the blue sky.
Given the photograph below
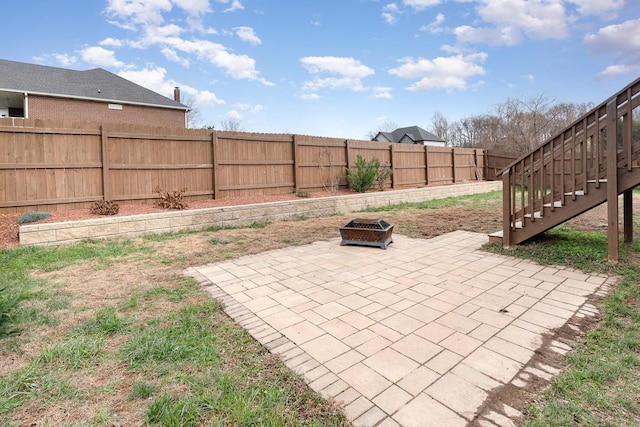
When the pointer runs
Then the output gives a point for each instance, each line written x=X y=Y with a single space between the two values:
x=339 y=68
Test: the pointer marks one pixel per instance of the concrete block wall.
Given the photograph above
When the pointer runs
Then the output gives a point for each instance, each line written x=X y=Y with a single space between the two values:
x=233 y=216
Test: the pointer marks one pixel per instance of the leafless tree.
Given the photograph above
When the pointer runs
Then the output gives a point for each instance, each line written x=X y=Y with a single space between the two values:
x=440 y=126
x=193 y=114
x=384 y=127
x=231 y=124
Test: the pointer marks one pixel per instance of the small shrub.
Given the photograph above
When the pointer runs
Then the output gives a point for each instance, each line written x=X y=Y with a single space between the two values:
x=32 y=216
x=362 y=176
x=171 y=199
x=383 y=174
x=303 y=194
x=104 y=207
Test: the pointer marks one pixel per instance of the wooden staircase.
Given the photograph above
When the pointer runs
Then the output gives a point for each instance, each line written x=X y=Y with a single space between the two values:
x=570 y=174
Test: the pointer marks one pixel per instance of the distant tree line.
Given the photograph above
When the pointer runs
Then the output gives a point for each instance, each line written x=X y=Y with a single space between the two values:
x=514 y=126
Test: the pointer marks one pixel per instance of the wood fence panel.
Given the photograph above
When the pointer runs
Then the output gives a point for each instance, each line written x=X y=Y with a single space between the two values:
x=465 y=164
x=440 y=165
x=141 y=165
x=255 y=164
x=408 y=166
x=495 y=162
x=49 y=165
x=321 y=163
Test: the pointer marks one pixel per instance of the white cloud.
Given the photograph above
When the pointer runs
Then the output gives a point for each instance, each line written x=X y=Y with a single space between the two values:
x=349 y=67
x=435 y=26
x=109 y=41
x=622 y=40
x=134 y=12
x=508 y=36
x=234 y=114
x=616 y=70
x=235 y=5
x=96 y=55
x=173 y=56
x=441 y=73
x=420 y=5
x=146 y=18
x=205 y=97
x=254 y=109
x=236 y=66
x=310 y=96
x=380 y=92
x=510 y=20
x=155 y=80
x=597 y=7
x=390 y=13
x=65 y=59
x=193 y=7
x=349 y=73
x=248 y=35
x=530 y=78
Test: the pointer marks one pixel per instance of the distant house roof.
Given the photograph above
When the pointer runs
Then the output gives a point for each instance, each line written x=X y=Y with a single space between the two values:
x=95 y=85
x=415 y=134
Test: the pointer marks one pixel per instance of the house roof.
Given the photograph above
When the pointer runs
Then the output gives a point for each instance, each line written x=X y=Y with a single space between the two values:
x=97 y=85
x=415 y=133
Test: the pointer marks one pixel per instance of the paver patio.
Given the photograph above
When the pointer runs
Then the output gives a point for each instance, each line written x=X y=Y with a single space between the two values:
x=418 y=334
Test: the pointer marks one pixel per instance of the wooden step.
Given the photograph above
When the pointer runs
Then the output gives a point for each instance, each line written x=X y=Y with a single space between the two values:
x=496 y=237
x=556 y=204
x=578 y=193
x=536 y=215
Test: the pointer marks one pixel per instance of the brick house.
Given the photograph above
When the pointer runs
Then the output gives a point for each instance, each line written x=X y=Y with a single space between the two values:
x=50 y=93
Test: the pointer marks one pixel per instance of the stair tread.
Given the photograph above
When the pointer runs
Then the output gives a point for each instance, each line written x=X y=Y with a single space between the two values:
x=578 y=193
x=556 y=204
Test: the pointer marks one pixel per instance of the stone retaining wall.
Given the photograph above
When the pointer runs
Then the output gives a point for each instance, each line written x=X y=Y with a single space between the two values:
x=198 y=219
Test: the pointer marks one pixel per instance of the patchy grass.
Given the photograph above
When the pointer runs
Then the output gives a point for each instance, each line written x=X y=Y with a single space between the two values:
x=602 y=383
x=482 y=200
x=117 y=332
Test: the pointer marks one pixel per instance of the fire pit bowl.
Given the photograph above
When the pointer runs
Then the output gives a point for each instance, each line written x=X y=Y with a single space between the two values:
x=367 y=232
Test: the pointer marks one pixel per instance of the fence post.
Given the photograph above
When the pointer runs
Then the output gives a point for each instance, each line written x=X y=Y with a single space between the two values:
x=392 y=160
x=347 y=157
x=214 y=162
x=426 y=165
x=106 y=183
x=453 y=158
x=296 y=169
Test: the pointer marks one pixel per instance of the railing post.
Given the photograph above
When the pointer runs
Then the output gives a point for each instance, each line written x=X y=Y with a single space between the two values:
x=506 y=209
x=612 y=181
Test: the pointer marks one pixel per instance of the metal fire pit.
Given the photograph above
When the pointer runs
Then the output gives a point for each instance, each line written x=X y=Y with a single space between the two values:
x=367 y=232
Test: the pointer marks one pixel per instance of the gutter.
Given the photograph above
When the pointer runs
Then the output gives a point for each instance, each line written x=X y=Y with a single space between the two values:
x=104 y=100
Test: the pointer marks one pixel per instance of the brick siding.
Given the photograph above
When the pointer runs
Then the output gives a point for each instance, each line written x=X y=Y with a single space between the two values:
x=49 y=108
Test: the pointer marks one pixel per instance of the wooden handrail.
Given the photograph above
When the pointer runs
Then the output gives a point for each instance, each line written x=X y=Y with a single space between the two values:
x=561 y=169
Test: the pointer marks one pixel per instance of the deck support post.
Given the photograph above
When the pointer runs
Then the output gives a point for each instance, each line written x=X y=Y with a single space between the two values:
x=628 y=216
x=612 y=183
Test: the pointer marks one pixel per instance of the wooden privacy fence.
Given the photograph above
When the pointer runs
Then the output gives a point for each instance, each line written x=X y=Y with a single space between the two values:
x=58 y=166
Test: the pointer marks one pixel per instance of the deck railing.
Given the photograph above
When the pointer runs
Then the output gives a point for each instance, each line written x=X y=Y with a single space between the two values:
x=570 y=165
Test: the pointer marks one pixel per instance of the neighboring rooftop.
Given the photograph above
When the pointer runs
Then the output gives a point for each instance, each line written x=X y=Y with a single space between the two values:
x=96 y=84
x=410 y=134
